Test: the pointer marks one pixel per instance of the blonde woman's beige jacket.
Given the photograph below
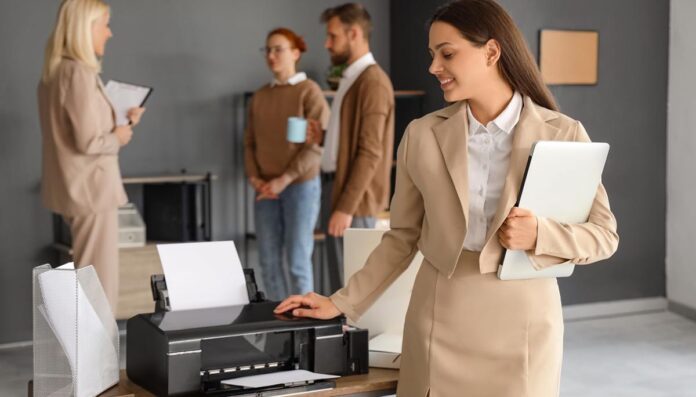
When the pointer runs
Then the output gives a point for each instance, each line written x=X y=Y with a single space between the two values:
x=430 y=205
x=80 y=152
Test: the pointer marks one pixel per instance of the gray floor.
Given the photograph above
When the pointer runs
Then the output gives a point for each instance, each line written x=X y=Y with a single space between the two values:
x=646 y=355
x=642 y=355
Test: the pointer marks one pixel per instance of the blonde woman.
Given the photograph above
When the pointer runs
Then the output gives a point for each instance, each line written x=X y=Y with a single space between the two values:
x=81 y=179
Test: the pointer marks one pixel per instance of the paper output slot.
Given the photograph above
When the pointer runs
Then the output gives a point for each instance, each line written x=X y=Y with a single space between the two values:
x=296 y=377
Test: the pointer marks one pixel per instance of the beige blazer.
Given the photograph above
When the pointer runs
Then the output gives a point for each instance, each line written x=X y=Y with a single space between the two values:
x=366 y=146
x=430 y=205
x=80 y=153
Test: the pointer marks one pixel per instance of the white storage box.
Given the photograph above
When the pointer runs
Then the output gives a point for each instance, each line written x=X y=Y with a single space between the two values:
x=75 y=335
x=131 y=228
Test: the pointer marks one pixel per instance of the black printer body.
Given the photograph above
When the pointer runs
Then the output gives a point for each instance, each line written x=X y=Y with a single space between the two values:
x=191 y=352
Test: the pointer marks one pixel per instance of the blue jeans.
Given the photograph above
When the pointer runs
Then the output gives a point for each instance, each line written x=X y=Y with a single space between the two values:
x=288 y=224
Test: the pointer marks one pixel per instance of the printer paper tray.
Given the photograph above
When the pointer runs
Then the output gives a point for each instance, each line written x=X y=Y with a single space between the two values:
x=275 y=391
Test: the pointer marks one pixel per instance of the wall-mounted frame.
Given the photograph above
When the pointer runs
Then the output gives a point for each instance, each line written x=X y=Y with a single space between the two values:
x=569 y=57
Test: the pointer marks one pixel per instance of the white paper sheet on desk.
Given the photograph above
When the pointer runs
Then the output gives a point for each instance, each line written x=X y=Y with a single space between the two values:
x=124 y=96
x=386 y=342
x=203 y=275
x=277 y=378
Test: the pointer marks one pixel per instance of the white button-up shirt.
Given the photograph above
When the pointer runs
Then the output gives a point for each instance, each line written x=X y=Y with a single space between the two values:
x=296 y=78
x=489 y=150
x=333 y=131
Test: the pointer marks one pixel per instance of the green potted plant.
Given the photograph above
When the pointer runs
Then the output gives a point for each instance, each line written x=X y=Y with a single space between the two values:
x=334 y=75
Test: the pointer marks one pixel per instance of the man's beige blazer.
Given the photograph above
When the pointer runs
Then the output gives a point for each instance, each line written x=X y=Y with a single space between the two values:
x=80 y=152
x=430 y=205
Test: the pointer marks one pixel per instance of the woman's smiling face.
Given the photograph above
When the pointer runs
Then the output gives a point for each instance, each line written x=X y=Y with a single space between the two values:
x=460 y=66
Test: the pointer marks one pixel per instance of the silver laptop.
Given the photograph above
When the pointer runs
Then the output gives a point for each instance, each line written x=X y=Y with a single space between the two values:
x=560 y=183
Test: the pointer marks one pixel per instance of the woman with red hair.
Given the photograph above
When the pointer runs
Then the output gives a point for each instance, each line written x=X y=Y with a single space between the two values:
x=285 y=175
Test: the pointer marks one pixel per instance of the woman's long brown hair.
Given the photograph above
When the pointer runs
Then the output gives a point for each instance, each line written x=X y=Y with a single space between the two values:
x=481 y=20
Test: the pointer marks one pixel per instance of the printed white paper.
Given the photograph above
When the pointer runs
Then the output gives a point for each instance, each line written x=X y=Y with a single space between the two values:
x=277 y=378
x=123 y=97
x=203 y=275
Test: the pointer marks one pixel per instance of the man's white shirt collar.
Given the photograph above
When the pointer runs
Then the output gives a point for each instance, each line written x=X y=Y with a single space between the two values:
x=295 y=79
x=360 y=64
x=350 y=75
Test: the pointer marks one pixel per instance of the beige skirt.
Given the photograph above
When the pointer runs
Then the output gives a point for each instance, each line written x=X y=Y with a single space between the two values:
x=475 y=335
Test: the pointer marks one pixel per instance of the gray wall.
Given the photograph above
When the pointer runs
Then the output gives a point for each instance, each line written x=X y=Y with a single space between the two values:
x=200 y=55
x=681 y=146
x=627 y=109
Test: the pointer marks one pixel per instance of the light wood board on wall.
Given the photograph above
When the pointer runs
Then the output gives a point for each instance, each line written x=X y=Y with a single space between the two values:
x=569 y=57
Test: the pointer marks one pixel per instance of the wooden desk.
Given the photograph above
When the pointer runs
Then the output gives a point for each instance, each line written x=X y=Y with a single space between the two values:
x=125 y=388
x=379 y=379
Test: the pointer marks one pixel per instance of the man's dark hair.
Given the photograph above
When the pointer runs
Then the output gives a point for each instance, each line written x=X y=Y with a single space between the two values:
x=350 y=14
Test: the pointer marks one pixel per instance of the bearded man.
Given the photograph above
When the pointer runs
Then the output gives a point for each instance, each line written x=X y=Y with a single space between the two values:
x=359 y=140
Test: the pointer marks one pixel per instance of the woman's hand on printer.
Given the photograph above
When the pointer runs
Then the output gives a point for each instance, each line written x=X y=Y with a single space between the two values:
x=309 y=305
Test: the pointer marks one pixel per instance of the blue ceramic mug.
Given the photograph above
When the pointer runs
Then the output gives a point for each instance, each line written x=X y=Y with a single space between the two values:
x=297 y=129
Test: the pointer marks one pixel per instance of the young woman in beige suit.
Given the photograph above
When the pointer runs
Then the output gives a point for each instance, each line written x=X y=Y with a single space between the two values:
x=81 y=178
x=459 y=169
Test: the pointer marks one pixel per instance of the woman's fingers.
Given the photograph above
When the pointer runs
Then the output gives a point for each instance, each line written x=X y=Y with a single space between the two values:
x=134 y=115
x=314 y=132
x=503 y=243
x=289 y=301
x=264 y=193
x=519 y=212
x=294 y=301
x=309 y=305
x=301 y=305
x=286 y=308
x=312 y=313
